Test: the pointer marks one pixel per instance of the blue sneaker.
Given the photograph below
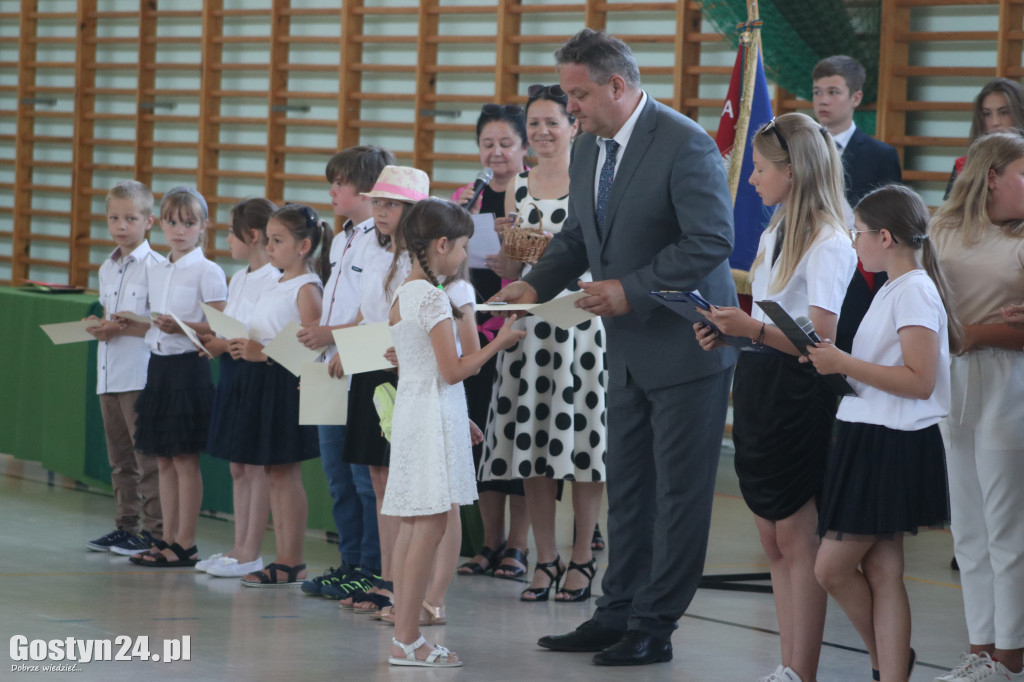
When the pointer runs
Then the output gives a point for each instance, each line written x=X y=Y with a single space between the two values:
x=314 y=586
x=134 y=544
x=103 y=544
x=357 y=580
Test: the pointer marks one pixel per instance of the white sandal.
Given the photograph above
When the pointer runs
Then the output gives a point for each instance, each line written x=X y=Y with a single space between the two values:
x=438 y=658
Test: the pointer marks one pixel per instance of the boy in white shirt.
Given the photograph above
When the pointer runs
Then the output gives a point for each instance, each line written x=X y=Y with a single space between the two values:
x=121 y=366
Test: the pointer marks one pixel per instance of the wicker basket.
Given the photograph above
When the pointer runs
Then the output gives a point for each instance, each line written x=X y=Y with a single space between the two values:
x=526 y=244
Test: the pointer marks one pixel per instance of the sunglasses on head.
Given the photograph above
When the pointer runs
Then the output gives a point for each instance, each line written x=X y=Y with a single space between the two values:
x=555 y=92
x=502 y=109
x=774 y=128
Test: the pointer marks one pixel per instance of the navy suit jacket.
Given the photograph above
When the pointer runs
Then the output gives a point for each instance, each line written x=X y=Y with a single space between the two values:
x=668 y=225
x=867 y=164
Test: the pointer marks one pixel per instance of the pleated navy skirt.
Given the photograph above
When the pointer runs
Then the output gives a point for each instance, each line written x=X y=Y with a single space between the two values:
x=881 y=481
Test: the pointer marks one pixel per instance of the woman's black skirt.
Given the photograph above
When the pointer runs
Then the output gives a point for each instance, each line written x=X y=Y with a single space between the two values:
x=782 y=424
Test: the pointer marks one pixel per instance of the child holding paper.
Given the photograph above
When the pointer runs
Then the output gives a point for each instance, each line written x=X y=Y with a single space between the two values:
x=174 y=408
x=783 y=412
x=264 y=430
x=397 y=188
x=885 y=474
x=247 y=240
x=432 y=466
x=122 y=359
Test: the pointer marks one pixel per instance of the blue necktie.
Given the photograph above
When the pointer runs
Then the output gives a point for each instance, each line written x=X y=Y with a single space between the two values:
x=604 y=184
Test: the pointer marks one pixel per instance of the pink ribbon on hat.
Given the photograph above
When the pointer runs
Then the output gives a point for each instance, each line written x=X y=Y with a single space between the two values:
x=412 y=195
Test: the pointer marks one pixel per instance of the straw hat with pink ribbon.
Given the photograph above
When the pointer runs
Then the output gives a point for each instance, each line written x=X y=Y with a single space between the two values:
x=401 y=183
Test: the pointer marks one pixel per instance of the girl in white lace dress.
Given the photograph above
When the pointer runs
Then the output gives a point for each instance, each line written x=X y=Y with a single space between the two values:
x=431 y=457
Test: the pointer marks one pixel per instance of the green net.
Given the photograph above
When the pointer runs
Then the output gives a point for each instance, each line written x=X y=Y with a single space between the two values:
x=796 y=34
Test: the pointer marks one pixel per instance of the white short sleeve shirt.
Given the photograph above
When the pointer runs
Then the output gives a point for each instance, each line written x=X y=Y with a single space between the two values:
x=820 y=279
x=910 y=300
x=178 y=287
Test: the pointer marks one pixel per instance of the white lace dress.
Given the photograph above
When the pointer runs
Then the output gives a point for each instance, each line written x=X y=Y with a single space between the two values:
x=431 y=455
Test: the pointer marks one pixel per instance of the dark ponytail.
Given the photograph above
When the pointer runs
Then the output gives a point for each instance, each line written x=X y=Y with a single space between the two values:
x=302 y=222
x=902 y=212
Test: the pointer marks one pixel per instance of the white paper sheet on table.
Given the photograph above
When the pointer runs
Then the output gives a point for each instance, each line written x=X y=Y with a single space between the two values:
x=285 y=349
x=561 y=312
x=484 y=241
x=361 y=348
x=70 y=332
x=190 y=333
x=322 y=400
x=224 y=325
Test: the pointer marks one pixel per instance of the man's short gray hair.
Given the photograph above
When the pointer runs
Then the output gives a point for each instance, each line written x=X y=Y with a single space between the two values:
x=603 y=55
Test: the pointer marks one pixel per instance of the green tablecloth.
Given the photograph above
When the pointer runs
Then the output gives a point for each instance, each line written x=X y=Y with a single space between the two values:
x=49 y=412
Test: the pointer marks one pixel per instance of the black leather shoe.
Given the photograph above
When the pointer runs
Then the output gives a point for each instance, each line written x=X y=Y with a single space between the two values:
x=591 y=636
x=636 y=648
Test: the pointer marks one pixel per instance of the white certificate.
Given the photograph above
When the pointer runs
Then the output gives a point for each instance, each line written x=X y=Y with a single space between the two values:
x=562 y=311
x=190 y=333
x=484 y=241
x=134 y=317
x=224 y=325
x=70 y=332
x=287 y=350
x=322 y=400
x=362 y=348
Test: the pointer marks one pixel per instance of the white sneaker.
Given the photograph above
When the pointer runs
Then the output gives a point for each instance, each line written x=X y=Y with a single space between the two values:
x=979 y=668
x=208 y=561
x=774 y=677
x=228 y=567
x=789 y=675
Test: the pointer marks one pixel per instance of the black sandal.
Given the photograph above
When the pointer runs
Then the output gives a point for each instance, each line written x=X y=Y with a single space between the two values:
x=876 y=675
x=155 y=550
x=184 y=558
x=597 y=541
x=268 y=576
x=513 y=572
x=541 y=593
x=491 y=556
x=589 y=570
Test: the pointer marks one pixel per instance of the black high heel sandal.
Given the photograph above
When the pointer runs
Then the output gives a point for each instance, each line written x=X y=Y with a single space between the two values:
x=541 y=593
x=491 y=556
x=589 y=570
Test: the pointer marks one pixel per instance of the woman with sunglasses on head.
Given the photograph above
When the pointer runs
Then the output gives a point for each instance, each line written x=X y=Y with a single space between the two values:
x=554 y=431
x=501 y=137
x=782 y=410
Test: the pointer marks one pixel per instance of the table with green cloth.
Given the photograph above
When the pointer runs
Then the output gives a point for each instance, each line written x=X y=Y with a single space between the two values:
x=49 y=412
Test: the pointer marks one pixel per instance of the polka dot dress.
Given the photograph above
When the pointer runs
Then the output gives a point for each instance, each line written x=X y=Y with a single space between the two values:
x=547 y=413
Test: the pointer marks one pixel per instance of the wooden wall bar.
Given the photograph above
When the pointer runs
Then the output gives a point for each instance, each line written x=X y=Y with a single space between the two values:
x=250 y=98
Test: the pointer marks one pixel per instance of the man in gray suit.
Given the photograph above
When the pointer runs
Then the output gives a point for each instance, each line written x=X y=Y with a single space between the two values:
x=649 y=209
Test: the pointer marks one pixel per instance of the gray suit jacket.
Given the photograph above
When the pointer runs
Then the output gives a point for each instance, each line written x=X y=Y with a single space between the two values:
x=668 y=226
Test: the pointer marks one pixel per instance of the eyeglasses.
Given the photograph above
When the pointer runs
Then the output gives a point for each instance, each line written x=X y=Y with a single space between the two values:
x=857 y=233
x=502 y=110
x=774 y=128
x=555 y=92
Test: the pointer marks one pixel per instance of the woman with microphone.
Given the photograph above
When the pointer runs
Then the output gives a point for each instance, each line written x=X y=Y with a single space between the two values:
x=501 y=138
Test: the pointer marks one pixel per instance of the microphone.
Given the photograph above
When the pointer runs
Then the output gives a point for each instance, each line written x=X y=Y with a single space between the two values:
x=483 y=178
x=807 y=327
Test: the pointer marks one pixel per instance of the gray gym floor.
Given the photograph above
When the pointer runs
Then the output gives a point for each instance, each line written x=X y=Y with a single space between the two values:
x=53 y=588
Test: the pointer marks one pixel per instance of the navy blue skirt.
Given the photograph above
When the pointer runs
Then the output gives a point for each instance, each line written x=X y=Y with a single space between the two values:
x=881 y=481
x=263 y=428
x=228 y=367
x=173 y=411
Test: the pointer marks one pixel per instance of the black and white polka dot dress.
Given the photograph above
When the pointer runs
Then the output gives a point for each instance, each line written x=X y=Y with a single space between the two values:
x=547 y=413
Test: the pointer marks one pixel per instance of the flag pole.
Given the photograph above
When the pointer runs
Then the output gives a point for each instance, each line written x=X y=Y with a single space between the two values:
x=751 y=41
